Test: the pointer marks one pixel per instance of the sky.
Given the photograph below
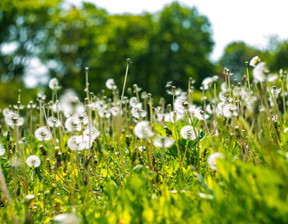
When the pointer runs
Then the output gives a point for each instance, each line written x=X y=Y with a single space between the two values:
x=251 y=21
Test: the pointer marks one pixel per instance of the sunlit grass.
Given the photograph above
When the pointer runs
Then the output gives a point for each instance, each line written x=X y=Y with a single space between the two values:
x=129 y=159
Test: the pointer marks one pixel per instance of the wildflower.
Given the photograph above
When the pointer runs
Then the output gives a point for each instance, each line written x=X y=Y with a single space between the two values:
x=110 y=84
x=29 y=197
x=68 y=102
x=200 y=114
x=274 y=91
x=207 y=196
x=142 y=130
x=53 y=122
x=13 y=120
x=73 y=124
x=141 y=148
x=18 y=106
x=56 y=107
x=230 y=110
x=206 y=83
x=272 y=78
x=67 y=219
x=33 y=161
x=254 y=61
x=114 y=110
x=224 y=87
x=93 y=132
x=179 y=105
x=2 y=150
x=260 y=72
x=163 y=142
x=31 y=105
x=137 y=111
x=133 y=101
x=104 y=113
x=54 y=84
x=187 y=132
x=219 y=109
x=224 y=96
x=78 y=143
x=43 y=134
x=285 y=130
x=6 y=111
x=213 y=158
x=83 y=118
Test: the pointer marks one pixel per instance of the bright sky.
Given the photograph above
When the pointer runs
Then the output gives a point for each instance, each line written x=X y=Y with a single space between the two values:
x=252 y=21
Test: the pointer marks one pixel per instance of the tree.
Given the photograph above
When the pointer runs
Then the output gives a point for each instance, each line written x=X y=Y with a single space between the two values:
x=235 y=55
x=172 y=44
x=280 y=57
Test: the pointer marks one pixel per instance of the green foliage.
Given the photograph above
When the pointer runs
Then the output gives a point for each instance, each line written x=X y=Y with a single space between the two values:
x=236 y=54
x=67 y=40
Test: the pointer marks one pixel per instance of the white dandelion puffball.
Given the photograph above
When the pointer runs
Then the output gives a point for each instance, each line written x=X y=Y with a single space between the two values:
x=163 y=142
x=260 y=72
x=110 y=84
x=133 y=101
x=79 y=143
x=33 y=161
x=93 y=132
x=254 y=61
x=213 y=158
x=67 y=219
x=187 y=132
x=207 y=82
x=54 y=84
x=53 y=122
x=43 y=134
x=13 y=120
x=230 y=110
x=2 y=150
x=137 y=112
x=142 y=130
x=29 y=197
x=73 y=124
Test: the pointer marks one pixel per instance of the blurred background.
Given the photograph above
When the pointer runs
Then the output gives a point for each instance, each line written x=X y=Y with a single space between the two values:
x=43 y=39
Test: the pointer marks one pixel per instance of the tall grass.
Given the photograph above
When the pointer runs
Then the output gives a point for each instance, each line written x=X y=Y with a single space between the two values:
x=128 y=159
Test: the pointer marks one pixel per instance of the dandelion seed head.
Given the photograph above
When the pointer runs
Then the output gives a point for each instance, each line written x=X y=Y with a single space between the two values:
x=200 y=114
x=213 y=158
x=114 y=110
x=29 y=197
x=254 y=61
x=133 y=101
x=54 y=84
x=207 y=82
x=2 y=150
x=230 y=110
x=33 y=161
x=73 y=124
x=43 y=134
x=142 y=130
x=163 y=142
x=110 y=84
x=67 y=219
x=187 y=132
x=94 y=133
x=260 y=72
x=53 y=122
x=75 y=143
x=13 y=120
x=138 y=112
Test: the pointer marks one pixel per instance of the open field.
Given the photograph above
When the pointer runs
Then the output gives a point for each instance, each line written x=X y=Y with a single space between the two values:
x=124 y=158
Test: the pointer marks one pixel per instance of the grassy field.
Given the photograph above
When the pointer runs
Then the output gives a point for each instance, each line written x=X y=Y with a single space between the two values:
x=129 y=159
